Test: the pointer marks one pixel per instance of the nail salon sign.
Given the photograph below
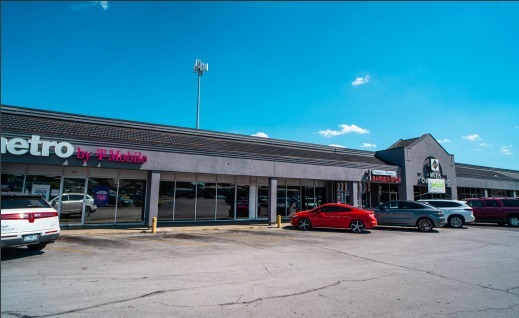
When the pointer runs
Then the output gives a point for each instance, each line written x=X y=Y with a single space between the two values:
x=43 y=148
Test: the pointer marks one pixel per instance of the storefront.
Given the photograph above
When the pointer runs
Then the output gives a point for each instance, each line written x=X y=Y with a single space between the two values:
x=106 y=171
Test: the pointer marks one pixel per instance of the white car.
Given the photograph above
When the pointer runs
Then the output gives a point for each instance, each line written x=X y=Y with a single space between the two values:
x=457 y=213
x=28 y=220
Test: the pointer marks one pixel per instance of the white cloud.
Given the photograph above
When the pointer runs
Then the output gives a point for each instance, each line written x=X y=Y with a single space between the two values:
x=91 y=4
x=485 y=145
x=104 y=4
x=442 y=141
x=368 y=145
x=472 y=137
x=261 y=134
x=360 y=81
x=345 y=129
x=336 y=146
x=506 y=150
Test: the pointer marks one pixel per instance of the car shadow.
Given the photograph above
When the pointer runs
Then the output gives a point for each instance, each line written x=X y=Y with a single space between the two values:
x=455 y=228
x=12 y=253
x=323 y=230
x=401 y=229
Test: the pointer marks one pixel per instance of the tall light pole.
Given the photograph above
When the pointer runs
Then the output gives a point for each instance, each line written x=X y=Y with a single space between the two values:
x=200 y=68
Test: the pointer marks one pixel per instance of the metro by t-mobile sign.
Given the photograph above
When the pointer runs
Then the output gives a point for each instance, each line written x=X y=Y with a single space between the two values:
x=42 y=148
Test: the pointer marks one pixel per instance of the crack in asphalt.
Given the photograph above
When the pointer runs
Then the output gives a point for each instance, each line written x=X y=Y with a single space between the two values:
x=198 y=287
x=482 y=310
x=507 y=291
x=281 y=296
x=238 y=302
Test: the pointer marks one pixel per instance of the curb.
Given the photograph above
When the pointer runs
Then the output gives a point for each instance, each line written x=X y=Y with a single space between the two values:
x=164 y=230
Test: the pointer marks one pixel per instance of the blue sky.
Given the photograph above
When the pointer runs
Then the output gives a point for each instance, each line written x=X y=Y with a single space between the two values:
x=359 y=75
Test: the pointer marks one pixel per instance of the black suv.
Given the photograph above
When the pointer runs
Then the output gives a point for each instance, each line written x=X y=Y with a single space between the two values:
x=496 y=210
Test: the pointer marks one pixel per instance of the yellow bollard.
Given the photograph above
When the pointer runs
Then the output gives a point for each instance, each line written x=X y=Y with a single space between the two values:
x=279 y=221
x=153 y=225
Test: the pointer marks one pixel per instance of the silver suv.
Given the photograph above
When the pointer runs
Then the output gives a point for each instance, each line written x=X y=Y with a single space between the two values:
x=72 y=203
x=457 y=213
x=409 y=213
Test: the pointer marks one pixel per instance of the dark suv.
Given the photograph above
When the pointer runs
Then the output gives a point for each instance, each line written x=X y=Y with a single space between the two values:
x=496 y=210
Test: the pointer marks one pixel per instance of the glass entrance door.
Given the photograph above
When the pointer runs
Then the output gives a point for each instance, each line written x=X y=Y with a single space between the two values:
x=242 y=202
x=72 y=203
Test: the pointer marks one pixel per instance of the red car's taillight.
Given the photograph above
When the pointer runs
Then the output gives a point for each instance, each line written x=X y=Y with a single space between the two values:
x=29 y=216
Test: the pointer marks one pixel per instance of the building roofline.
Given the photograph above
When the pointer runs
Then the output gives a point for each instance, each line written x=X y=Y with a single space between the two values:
x=88 y=119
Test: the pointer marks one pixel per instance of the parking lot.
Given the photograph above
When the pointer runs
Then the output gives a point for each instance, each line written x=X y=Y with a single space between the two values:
x=262 y=271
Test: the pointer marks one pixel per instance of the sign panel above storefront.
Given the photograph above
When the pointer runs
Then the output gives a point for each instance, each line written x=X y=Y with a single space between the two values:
x=43 y=148
x=383 y=173
x=435 y=165
x=383 y=176
x=436 y=185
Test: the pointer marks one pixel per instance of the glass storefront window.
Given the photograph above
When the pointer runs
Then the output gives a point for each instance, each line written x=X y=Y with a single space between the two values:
x=185 y=198
x=242 y=202
x=225 y=201
x=72 y=199
x=166 y=200
x=130 y=201
x=206 y=201
x=281 y=205
x=293 y=200
x=309 y=200
x=104 y=191
x=47 y=186
x=320 y=195
x=465 y=193
x=13 y=183
x=263 y=195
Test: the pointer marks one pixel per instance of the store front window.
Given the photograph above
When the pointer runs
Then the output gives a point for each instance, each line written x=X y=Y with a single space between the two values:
x=166 y=200
x=206 y=201
x=388 y=192
x=130 y=201
x=465 y=193
x=13 y=183
x=293 y=200
x=104 y=192
x=263 y=196
x=185 y=198
x=224 y=201
x=73 y=202
x=242 y=202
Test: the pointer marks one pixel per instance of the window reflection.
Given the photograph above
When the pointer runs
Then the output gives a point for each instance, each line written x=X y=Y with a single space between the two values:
x=293 y=199
x=166 y=200
x=103 y=190
x=281 y=205
x=130 y=200
x=242 y=202
x=185 y=194
x=206 y=201
x=225 y=201
x=263 y=195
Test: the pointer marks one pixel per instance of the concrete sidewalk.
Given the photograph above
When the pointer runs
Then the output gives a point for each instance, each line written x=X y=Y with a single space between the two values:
x=168 y=229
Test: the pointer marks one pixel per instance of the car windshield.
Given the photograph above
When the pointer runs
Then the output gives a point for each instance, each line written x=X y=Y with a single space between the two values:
x=22 y=202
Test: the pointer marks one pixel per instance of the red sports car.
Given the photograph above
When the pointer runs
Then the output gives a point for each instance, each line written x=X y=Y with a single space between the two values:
x=335 y=215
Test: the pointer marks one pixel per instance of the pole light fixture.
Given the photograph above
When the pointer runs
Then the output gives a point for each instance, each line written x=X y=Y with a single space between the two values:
x=200 y=68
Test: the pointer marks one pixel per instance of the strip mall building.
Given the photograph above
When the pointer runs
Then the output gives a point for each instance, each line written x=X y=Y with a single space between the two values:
x=133 y=171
